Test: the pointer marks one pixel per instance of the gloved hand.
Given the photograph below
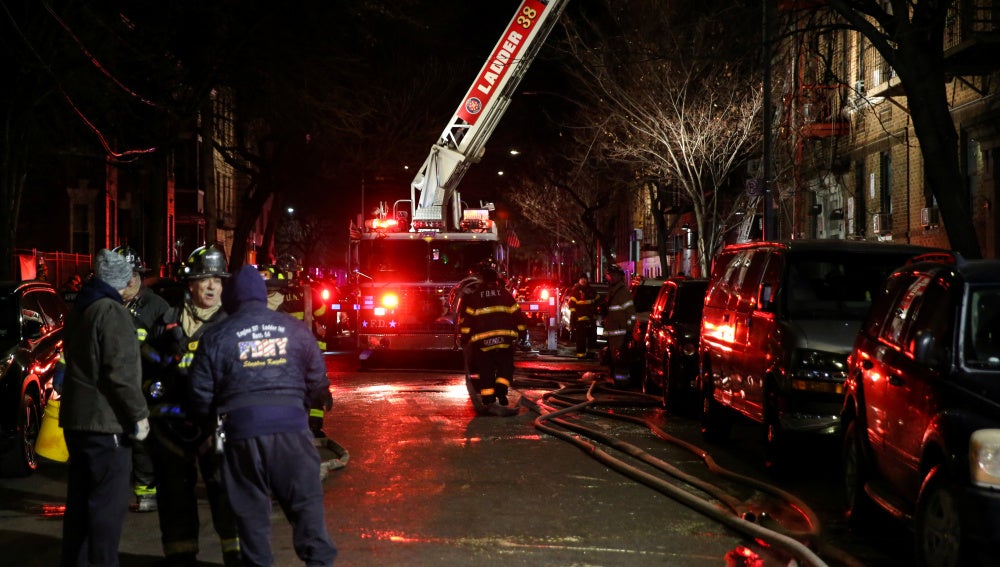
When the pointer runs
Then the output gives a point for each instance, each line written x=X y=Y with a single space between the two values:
x=141 y=430
x=324 y=398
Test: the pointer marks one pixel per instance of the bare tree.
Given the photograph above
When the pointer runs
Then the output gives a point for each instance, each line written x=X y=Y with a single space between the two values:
x=673 y=105
x=910 y=36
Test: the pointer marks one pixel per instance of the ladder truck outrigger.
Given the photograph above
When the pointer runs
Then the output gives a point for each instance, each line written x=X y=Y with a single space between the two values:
x=406 y=264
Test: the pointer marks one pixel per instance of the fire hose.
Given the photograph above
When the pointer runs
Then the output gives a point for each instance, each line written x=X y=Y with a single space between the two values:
x=732 y=515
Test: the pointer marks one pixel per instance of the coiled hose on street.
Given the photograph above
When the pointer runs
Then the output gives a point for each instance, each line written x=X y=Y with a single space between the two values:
x=553 y=406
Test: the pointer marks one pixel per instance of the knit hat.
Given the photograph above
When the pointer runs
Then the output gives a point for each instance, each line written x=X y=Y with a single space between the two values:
x=114 y=269
x=245 y=285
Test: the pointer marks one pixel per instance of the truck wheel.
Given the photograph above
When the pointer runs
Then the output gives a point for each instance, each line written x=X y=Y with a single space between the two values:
x=856 y=474
x=940 y=533
x=20 y=459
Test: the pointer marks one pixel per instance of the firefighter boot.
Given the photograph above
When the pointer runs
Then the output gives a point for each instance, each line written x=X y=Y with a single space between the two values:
x=316 y=423
x=145 y=499
x=232 y=559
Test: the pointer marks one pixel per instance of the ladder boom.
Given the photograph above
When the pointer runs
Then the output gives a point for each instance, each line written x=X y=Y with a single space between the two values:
x=462 y=141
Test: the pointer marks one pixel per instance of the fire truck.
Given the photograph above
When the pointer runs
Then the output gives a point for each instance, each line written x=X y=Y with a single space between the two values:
x=409 y=260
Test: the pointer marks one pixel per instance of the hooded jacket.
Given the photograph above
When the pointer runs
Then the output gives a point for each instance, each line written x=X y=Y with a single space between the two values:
x=258 y=368
x=101 y=391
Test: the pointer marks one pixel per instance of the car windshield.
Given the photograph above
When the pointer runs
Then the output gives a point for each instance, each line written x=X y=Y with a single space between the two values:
x=9 y=333
x=837 y=284
x=982 y=329
x=688 y=303
x=645 y=296
x=388 y=260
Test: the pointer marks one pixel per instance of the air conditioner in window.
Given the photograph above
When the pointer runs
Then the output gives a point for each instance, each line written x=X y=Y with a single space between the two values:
x=929 y=217
x=882 y=223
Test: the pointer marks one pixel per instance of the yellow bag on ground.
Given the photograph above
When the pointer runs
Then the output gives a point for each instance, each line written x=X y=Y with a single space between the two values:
x=51 y=443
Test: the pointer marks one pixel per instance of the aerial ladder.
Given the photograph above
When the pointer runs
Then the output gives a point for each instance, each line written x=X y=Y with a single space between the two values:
x=462 y=142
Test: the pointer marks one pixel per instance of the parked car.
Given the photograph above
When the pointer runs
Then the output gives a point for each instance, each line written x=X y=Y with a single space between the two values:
x=921 y=413
x=670 y=361
x=644 y=292
x=32 y=316
x=779 y=321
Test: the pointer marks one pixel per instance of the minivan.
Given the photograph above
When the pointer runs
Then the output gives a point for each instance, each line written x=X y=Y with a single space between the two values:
x=778 y=323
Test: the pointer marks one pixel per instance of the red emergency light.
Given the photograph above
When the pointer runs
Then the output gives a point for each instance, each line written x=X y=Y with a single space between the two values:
x=383 y=225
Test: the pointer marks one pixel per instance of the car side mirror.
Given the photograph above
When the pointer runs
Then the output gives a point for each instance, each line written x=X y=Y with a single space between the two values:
x=32 y=329
x=925 y=349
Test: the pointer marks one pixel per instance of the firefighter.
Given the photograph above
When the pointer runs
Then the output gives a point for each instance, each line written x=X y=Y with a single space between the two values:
x=490 y=322
x=281 y=298
x=146 y=307
x=618 y=321
x=257 y=371
x=180 y=444
x=583 y=315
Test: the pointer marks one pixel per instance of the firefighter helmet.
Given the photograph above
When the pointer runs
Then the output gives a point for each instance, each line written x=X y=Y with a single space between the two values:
x=289 y=265
x=615 y=270
x=273 y=277
x=205 y=262
x=133 y=258
x=488 y=274
x=487 y=270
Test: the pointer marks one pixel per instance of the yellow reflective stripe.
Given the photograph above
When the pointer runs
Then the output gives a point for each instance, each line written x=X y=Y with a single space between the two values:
x=315 y=413
x=495 y=347
x=186 y=360
x=620 y=307
x=230 y=544
x=494 y=333
x=493 y=309
x=486 y=391
x=466 y=330
x=503 y=381
x=142 y=333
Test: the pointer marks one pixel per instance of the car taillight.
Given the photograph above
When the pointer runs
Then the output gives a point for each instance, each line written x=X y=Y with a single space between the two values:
x=544 y=294
x=325 y=294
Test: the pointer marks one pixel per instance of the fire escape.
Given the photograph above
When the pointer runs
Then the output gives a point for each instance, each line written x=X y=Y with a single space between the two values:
x=812 y=118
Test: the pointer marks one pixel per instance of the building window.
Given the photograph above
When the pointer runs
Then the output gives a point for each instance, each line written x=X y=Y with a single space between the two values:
x=885 y=182
x=860 y=210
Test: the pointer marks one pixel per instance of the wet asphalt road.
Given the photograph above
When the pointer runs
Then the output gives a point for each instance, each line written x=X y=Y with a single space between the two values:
x=428 y=482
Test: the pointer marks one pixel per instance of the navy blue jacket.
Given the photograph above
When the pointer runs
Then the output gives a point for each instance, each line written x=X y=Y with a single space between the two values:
x=257 y=368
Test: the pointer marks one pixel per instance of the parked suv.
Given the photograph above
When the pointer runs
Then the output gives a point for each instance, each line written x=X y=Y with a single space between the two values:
x=671 y=340
x=778 y=323
x=922 y=409
x=32 y=315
